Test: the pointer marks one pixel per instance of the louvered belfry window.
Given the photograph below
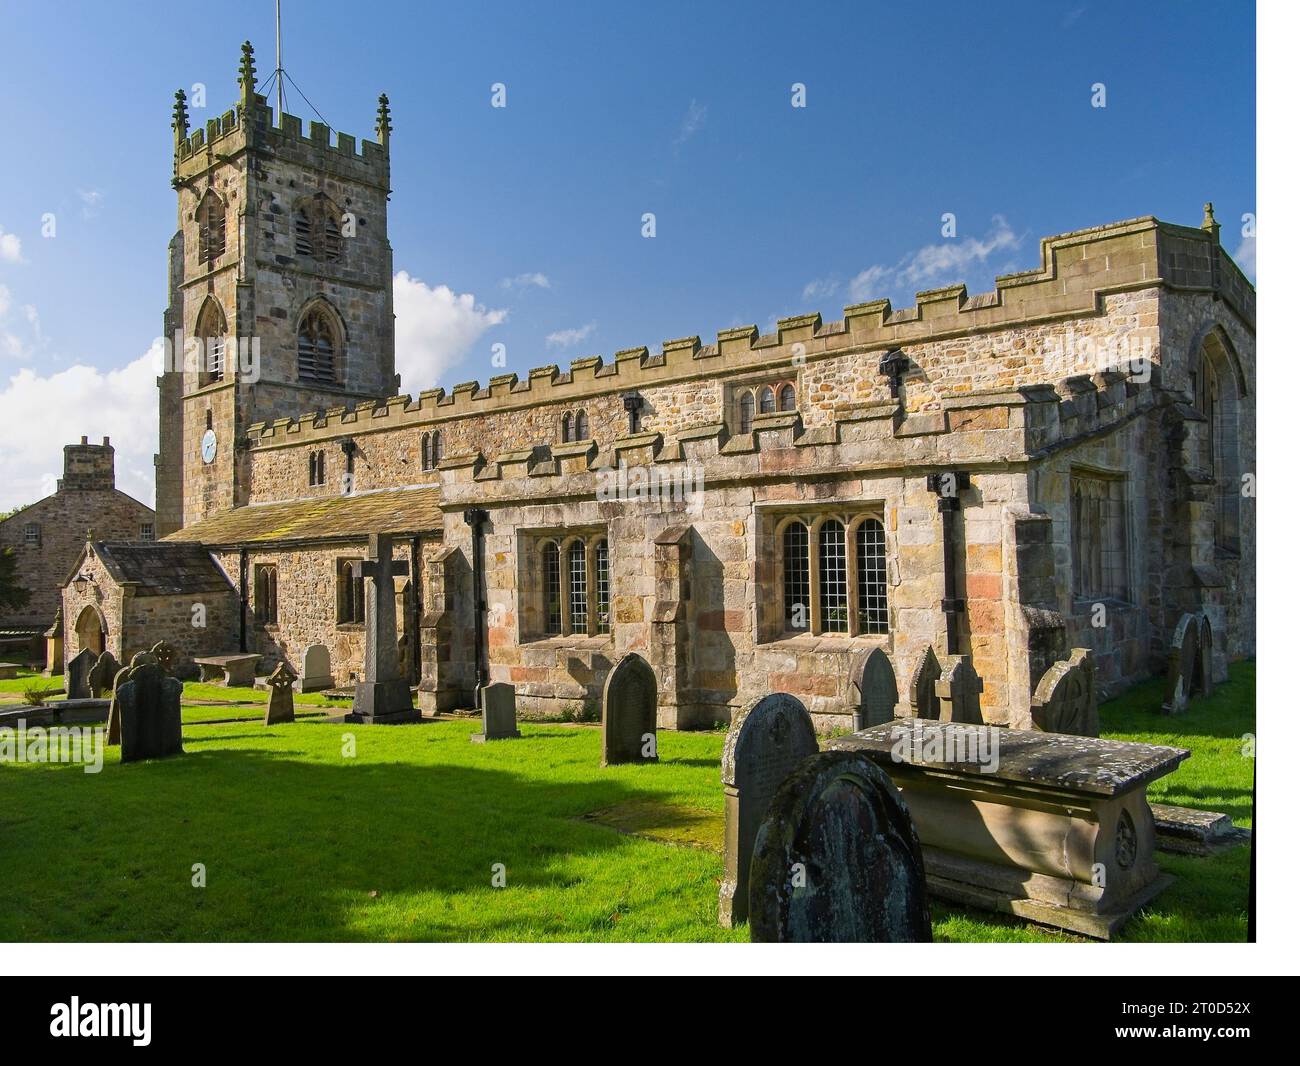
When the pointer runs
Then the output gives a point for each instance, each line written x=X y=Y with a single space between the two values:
x=317 y=348
x=212 y=229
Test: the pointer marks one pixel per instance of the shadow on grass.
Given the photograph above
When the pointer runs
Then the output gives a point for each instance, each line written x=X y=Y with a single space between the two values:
x=297 y=847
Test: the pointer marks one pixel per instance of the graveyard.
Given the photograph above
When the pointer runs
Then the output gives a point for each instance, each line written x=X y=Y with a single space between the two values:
x=422 y=835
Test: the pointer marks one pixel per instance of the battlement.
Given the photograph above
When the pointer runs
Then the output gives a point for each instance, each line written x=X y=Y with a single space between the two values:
x=251 y=124
x=1078 y=270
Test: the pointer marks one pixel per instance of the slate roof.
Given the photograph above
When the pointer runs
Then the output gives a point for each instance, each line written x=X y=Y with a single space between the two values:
x=159 y=569
x=326 y=518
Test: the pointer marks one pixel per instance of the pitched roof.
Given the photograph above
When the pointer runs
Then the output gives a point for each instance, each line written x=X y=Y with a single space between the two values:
x=326 y=518
x=159 y=569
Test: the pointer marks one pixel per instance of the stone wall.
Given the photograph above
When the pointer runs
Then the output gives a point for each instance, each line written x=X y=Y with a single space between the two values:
x=85 y=500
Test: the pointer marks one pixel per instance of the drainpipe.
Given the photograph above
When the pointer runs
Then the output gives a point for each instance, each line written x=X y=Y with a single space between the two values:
x=948 y=487
x=243 y=600
x=474 y=518
x=414 y=633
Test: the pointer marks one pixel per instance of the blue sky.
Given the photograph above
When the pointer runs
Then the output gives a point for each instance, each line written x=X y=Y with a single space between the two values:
x=530 y=215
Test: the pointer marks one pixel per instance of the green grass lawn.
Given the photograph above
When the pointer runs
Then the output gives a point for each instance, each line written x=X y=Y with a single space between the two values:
x=301 y=842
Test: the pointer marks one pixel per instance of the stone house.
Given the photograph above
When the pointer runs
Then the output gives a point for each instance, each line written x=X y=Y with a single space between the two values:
x=1063 y=462
x=47 y=536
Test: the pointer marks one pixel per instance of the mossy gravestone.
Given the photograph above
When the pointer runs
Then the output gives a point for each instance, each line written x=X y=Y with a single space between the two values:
x=1065 y=700
x=115 y=707
x=765 y=743
x=628 y=713
x=837 y=859
x=151 y=712
x=279 y=703
x=877 y=691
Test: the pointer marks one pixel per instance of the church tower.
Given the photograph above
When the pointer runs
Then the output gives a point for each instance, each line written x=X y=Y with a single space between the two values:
x=280 y=290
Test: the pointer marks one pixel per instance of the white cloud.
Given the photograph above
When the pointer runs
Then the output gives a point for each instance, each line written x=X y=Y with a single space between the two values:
x=820 y=289
x=435 y=329
x=13 y=346
x=524 y=281
x=11 y=247
x=1244 y=257
x=39 y=414
x=692 y=122
x=934 y=265
x=567 y=338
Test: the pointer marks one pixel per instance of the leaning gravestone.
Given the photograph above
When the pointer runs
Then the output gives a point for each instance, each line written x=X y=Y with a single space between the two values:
x=151 y=712
x=78 y=681
x=921 y=696
x=115 y=707
x=100 y=677
x=498 y=700
x=1065 y=700
x=629 y=713
x=877 y=691
x=279 y=703
x=1180 y=679
x=837 y=859
x=765 y=743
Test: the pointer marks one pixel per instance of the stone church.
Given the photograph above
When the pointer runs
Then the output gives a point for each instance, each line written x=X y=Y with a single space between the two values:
x=1064 y=462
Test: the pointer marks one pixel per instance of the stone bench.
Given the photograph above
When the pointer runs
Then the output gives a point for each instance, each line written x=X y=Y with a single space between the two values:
x=8 y=671
x=1052 y=827
x=233 y=671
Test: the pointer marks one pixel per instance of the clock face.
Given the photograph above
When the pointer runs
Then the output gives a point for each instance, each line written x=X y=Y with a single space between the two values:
x=209 y=446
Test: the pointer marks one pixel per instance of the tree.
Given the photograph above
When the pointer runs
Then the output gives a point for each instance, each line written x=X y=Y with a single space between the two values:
x=12 y=595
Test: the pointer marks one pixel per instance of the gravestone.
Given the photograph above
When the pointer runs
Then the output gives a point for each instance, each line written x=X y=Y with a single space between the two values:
x=151 y=712
x=1180 y=678
x=837 y=859
x=923 y=703
x=382 y=695
x=279 y=702
x=79 y=668
x=958 y=691
x=877 y=690
x=115 y=707
x=165 y=655
x=765 y=743
x=100 y=677
x=629 y=713
x=316 y=674
x=1065 y=700
x=1205 y=646
x=498 y=701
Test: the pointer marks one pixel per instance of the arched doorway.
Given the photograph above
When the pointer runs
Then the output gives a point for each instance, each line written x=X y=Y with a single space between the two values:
x=91 y=631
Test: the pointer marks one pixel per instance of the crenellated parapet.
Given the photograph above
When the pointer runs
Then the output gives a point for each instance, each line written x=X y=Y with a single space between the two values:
x=1078 y=274
x=251 y=125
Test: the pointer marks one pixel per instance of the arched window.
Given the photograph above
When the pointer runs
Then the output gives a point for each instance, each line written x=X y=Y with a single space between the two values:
x=833 y=571
x=602 y=586
x=352 y=592
x=318 y=345
x=430 y=450
x=211 y=217
x=1216 y=395
x=551 y=587
x=315 y=468
x=843 y=573
x=577 y=587
x=787 y=398
x=566 y=428
x=766 y=400
x=795 y=551
x=210 y=331
x=873 y=601
x=317 y=229
x=581 y=431
x=746 y=411
x=266 y=607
